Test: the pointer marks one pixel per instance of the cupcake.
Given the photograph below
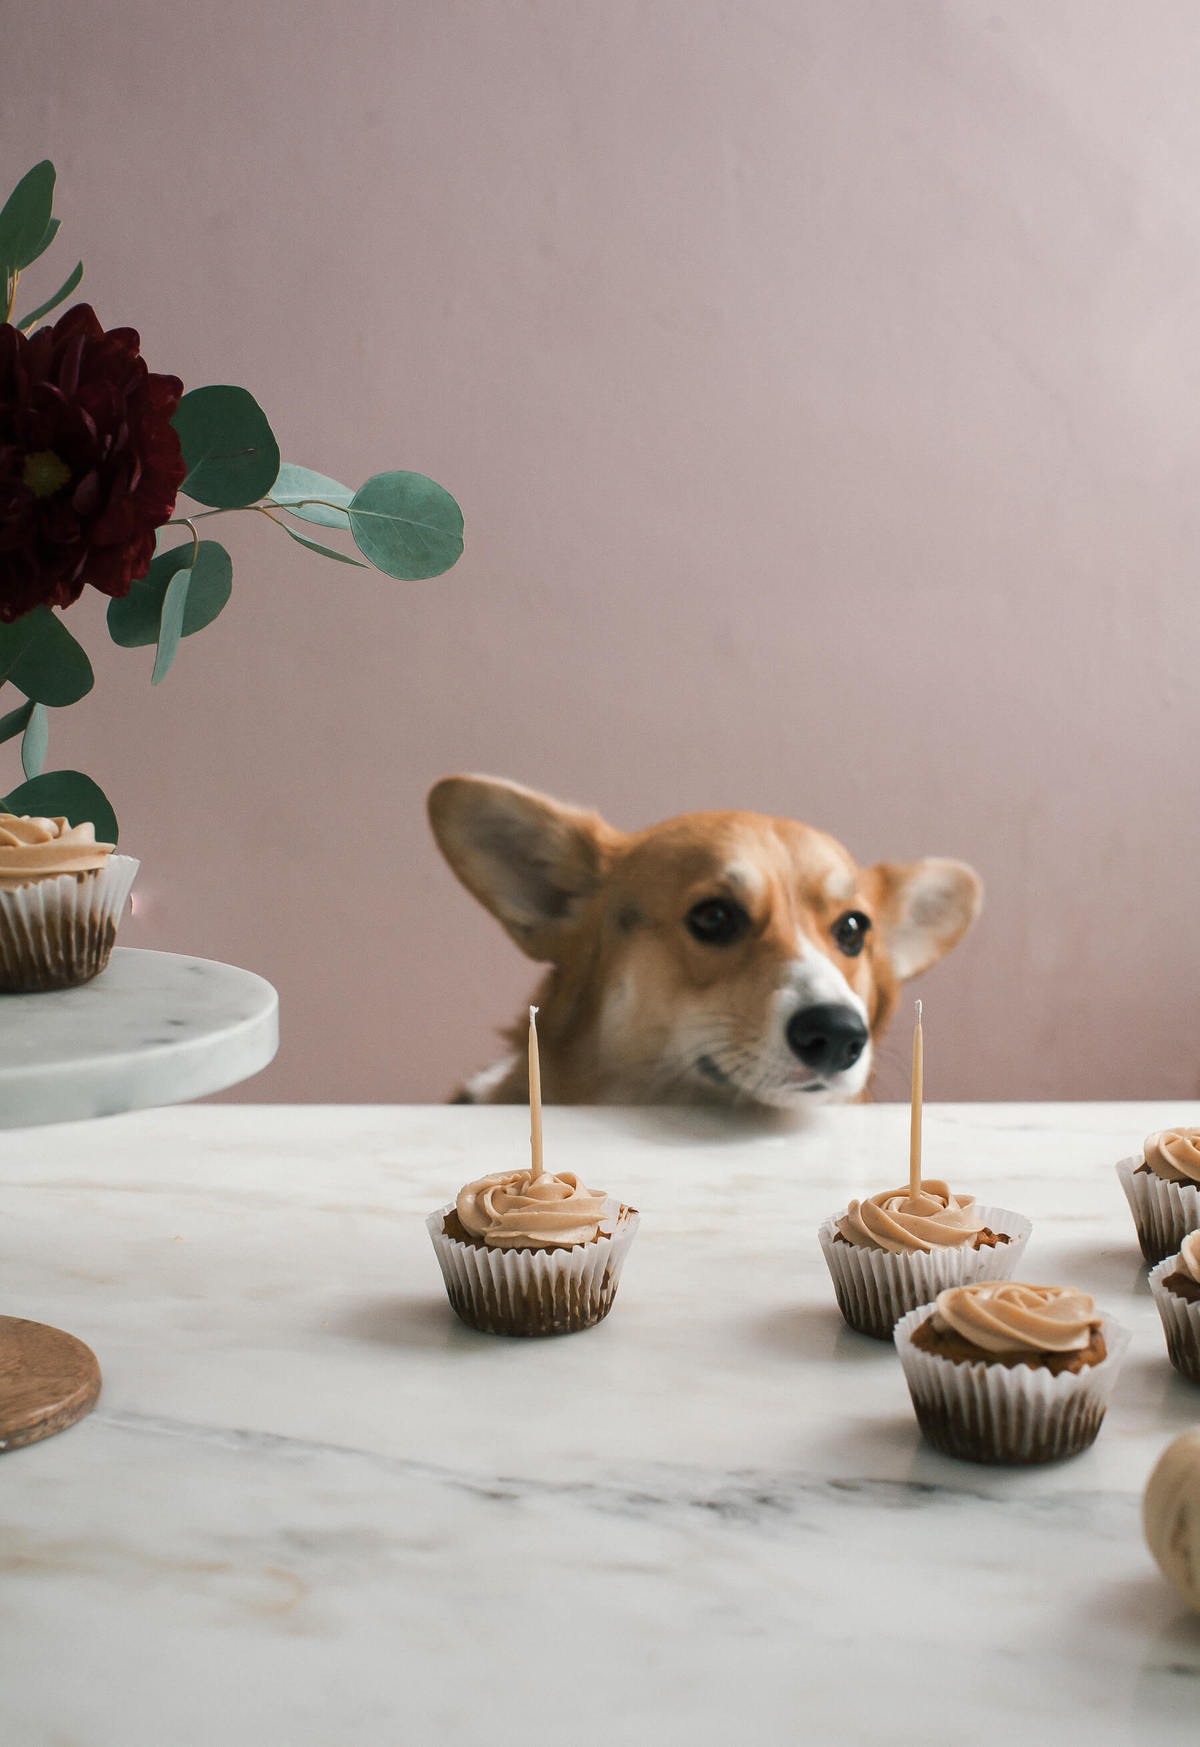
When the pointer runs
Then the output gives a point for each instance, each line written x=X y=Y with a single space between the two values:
x=525 y=1253
x=894 y=1251
x=61 y=898
x=1163 y=1190
x=1175 y=1285
x=1003 y=1372
x=1171 y=1516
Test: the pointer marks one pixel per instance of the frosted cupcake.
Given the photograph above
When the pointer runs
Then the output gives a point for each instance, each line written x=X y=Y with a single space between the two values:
x=1004 y=1372
x=1175 y=1285
x=61 y=898
x=1163 y=1190
x=895 y=1250
x=531 y=1254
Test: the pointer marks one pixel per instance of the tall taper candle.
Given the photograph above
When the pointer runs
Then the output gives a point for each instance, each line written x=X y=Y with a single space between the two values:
x=535 y=1097
x=918 y=1090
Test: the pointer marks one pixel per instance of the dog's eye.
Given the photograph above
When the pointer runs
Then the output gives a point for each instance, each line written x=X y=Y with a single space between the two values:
x=717 y=921
x=850 y=932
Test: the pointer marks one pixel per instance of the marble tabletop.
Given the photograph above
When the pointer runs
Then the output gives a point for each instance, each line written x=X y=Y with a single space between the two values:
x=312 y=1510
x=152 y=1028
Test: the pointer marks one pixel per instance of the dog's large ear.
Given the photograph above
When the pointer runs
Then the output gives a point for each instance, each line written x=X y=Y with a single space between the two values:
x=923 y=909
x=529 y=860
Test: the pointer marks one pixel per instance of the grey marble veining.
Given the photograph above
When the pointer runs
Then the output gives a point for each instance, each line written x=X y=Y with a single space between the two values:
x=152 y=1028
x=311 y=1508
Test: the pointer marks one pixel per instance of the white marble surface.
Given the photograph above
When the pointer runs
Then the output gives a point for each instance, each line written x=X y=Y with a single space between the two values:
x=311 y=1510
x=152 y=1028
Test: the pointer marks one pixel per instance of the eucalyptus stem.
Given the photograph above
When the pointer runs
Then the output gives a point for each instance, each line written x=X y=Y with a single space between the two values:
x=200 y=515
x=303 y=502
x=259 y=508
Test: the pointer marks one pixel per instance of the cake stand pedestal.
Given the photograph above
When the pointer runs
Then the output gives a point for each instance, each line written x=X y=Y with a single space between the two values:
x=153 y=1028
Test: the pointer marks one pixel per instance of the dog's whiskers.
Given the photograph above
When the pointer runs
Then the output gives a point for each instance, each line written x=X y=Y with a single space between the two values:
x=746 y=1071
x=706 y=1050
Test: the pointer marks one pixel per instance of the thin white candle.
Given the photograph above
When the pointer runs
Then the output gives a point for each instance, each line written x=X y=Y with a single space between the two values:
x=918 y=1092
x=535 y=1097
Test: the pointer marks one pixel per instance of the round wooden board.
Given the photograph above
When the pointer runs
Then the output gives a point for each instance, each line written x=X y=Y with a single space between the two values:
x=48 y=1380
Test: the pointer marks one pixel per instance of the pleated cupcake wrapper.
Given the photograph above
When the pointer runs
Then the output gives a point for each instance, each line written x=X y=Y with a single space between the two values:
x=59 y=932
x=532 y=1292
x=1163 y=1212
x=875 y=1287
x=1180 y=1320
x=1004 y=1414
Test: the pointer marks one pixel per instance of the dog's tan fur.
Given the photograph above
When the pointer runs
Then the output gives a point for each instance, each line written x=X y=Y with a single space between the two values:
x=633 y=1009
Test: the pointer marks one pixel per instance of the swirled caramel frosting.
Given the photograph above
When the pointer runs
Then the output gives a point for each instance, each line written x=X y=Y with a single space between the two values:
x=896 y=1221
x=1006 y=1316
x=33 y=848
x=514 y=1210
x=1173 y=1154
x=1189 y=1257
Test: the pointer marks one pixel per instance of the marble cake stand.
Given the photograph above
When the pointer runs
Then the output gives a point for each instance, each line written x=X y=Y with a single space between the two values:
x=153 y=1028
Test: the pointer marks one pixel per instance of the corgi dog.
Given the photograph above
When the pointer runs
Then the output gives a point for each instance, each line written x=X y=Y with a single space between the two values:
x=722 y=957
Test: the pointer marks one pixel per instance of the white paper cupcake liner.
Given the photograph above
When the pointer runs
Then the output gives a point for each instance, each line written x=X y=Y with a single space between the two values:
x=59 y=932
x=1180 y=1320
x=1010 y=1415
x=532 y=1292
x=875 y=1287
x=1163 y=1212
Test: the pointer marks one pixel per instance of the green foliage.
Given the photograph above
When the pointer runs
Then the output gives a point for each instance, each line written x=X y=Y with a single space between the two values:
x=14 y=640
x=296 y=486
x=134 y=621
x=229 y=449
x=325 y=551
x=65 y=794
x=402 y=523
x=170 y=626
x=51 y=668
x=16 y=720
x=64 y=291
x=26 y=227
x=35 y=740
x=406 y=525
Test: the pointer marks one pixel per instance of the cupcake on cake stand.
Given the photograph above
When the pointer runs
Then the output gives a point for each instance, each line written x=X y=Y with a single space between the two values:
x=153 y=1028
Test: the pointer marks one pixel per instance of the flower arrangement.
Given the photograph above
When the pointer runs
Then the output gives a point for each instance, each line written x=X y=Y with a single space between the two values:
x=95 y=450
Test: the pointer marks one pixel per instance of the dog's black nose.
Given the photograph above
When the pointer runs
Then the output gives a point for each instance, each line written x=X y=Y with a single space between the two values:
x=827 y=1039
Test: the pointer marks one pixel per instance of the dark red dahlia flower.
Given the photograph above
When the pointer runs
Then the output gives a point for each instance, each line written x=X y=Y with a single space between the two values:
x=89 y=463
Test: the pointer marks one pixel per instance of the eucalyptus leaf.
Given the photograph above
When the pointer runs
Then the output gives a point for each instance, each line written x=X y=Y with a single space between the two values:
x=133 y=622
x=52 y=668
x=66 y=794
x=35 y=741
x=295 y=484
x=407 y=525
x=325 y=551
x=26 y=226
x=16 y=721
x=170 y=628
x=229 y=449
x=48 y=237
x=211 y=586
x=14 y=640
x=64 y=291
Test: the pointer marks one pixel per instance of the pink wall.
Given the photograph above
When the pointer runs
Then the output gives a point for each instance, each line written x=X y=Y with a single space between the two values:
x=821 y=385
